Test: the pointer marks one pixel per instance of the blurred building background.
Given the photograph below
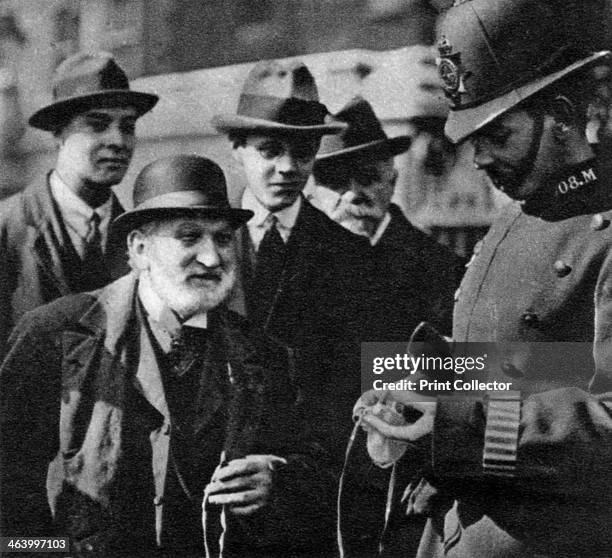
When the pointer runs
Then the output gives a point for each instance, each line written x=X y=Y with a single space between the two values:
x=195 y=54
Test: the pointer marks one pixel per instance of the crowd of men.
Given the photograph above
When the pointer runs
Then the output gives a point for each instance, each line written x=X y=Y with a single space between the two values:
x=179 y=378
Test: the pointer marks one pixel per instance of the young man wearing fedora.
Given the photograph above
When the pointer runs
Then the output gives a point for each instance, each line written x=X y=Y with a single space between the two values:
x=133 y=410
x=300 y=272
x=55 y=234
x=526 y=472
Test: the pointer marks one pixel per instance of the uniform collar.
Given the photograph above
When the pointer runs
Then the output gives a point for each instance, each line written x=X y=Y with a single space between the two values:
x=575 y=190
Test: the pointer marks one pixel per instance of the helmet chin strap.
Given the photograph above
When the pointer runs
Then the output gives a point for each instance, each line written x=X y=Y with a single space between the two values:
x=534 y=147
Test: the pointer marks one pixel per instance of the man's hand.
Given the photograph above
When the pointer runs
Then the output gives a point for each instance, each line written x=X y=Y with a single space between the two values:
x=244 y=485
x=410 y=402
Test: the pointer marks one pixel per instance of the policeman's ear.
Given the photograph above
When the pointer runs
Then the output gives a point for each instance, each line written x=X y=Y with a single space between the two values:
x=564 y=112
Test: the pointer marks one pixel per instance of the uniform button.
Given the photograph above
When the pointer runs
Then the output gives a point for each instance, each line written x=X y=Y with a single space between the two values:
x=158 y=500
x=88 y=547
x=530 y=318
x=510 y=370
x=562 y=269
x=599 y=222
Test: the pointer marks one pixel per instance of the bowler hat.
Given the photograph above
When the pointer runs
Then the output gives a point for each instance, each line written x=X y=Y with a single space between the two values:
x=494 y=54
x=364 y=137
x=278 y=97
x=84 y=81
x=177 y=186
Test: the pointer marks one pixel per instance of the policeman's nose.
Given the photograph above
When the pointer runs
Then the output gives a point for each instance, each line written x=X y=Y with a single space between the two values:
x=208 y=254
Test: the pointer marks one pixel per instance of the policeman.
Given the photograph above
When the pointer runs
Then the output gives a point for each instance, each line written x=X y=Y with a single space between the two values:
x=528 y=475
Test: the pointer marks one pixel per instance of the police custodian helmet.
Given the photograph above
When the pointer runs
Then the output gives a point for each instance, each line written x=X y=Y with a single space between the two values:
x=493 y=54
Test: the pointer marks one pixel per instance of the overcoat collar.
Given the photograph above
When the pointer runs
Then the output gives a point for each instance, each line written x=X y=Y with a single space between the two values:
x=111 y=318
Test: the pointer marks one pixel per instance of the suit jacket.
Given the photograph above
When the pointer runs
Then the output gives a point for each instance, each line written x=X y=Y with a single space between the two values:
x=413 y=279
x=37 y=259
x=75 y=432
x=316 y=312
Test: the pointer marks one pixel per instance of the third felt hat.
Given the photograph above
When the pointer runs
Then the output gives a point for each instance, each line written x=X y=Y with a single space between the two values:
x=363 y=138
x=278 y=96
x=88 y=80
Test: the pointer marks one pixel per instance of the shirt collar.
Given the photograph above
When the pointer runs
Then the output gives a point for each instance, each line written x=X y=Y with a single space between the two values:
x=382 y=227
x=286 y=217
x=71 y=205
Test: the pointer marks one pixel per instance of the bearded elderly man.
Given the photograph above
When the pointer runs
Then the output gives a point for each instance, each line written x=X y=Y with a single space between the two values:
x=126 y=410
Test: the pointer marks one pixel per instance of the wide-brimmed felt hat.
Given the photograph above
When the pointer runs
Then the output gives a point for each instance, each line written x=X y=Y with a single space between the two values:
x=278 y=97
x=494 y=54
x=363 y=138
x=88 y=80
x=180 y=185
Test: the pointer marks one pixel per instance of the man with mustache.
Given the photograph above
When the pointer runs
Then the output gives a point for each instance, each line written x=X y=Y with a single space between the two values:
x=133 y=411
x=300 y=272
x=55 y=234
x=412 y=278
x=524 y=472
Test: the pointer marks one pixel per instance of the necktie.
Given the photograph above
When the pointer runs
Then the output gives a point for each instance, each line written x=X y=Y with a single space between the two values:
x=94 y=271
x=268 y=271
x=187 y=348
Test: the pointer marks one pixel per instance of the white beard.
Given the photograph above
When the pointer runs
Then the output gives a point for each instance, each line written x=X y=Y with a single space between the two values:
x=187 y=300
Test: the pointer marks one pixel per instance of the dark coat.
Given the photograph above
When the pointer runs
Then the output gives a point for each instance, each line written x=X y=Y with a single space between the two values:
x=37 y=260
x=316 y=312
x=413 y=279
x=70 y=406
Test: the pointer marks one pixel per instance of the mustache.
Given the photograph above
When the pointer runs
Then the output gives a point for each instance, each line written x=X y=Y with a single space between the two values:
x=361 y=211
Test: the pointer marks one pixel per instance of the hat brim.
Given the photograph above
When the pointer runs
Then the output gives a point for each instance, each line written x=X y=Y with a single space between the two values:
x=55 y=115
x=135 y=218
x=379 y=149
x=464 y=122
x=226 y=123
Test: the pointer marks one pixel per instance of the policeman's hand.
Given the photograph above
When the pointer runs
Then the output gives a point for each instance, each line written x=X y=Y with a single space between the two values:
x=420 y=408
x=244 y=485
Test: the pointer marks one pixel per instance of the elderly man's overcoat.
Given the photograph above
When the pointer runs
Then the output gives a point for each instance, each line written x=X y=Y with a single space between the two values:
x=77 y=434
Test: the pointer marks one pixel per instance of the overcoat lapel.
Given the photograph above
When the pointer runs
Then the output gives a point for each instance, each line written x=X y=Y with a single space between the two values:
x=246 y=391
x=303 y=248
x=42 y=214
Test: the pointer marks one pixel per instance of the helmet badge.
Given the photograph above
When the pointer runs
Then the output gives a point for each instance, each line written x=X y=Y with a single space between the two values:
x=451 y=71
